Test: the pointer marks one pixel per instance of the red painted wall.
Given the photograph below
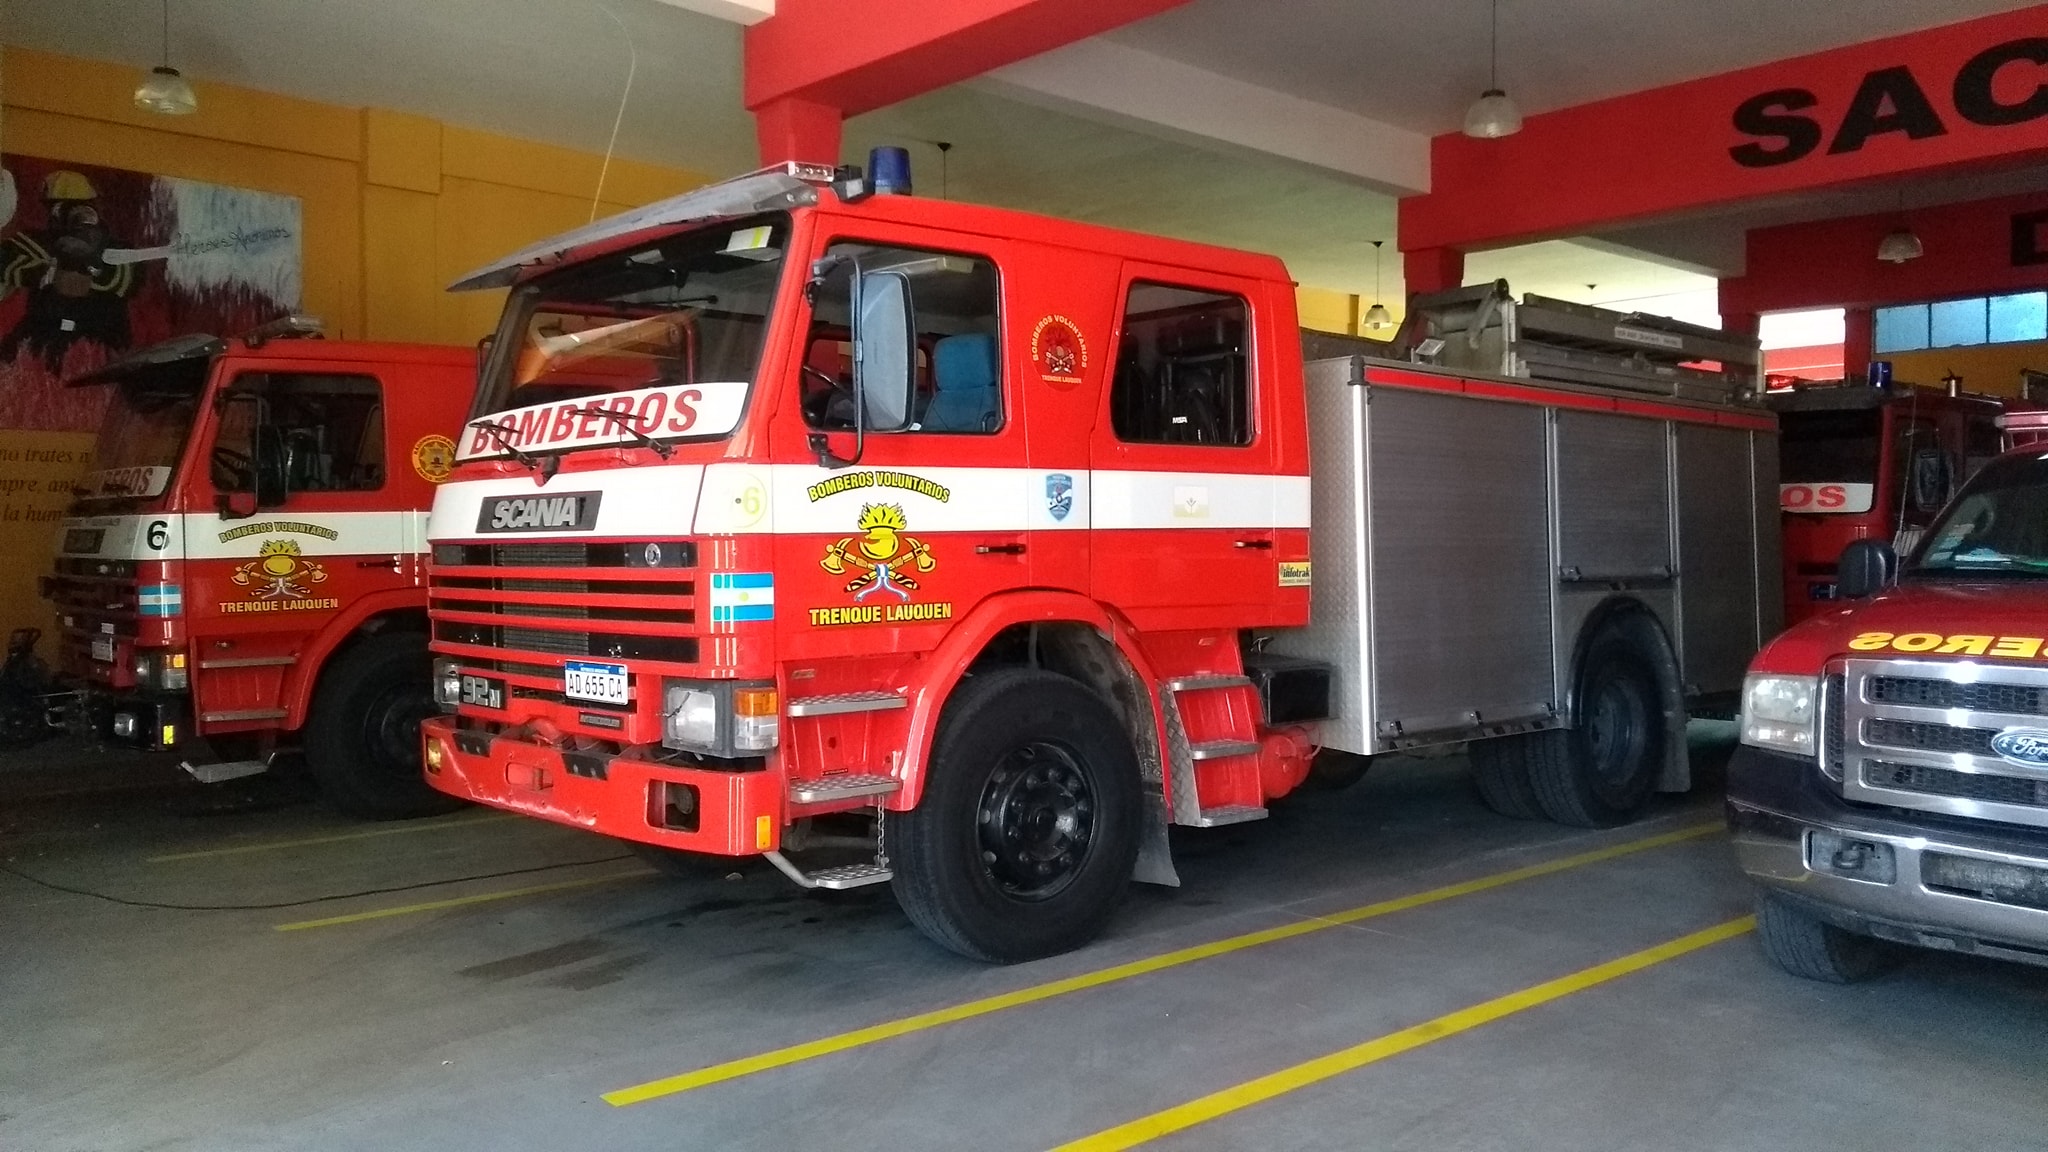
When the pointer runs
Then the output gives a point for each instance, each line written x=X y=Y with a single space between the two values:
x=1833 y=263
x=1669 y=150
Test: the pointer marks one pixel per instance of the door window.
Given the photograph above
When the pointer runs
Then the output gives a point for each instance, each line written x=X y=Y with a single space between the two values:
x=315 y=431
x=954 y=308
x=1182 y=368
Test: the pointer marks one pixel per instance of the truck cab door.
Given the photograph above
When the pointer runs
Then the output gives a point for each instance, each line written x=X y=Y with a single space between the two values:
x=902 y=530
x=296 y=464
x=1190 y=520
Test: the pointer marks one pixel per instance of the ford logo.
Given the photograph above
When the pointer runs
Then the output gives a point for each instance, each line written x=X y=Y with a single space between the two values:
x=2028 y=746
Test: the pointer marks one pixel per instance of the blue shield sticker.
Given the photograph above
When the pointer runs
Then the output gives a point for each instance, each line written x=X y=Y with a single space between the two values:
x=1059 y=495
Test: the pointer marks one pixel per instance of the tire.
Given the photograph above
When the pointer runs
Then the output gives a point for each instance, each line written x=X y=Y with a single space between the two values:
x=1813 y=949
x=1601 y=772
x=1501 y=769
x=1334 y=770
x=363 y=737
x=1028 y=830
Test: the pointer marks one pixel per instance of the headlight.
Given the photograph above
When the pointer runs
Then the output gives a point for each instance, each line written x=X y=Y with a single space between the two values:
x=164 y=671
x=1777 y=713
x=447 y=684
x=718 y=717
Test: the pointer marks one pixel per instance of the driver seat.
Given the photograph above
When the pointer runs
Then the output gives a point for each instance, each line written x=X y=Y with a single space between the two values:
x=963 y=385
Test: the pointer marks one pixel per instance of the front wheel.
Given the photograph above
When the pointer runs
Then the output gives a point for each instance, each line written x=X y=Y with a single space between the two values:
x=1028 y=829
x=363 y=737
x=1811 y=948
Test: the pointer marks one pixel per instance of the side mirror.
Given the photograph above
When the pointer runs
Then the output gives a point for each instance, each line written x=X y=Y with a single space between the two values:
x=885 y=362
x=237 y=505
x=1866 y=568
x=484 y=345
x=269 y=466
x=1929 y=480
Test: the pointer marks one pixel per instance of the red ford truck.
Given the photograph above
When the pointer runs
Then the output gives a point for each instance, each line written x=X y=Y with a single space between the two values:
x=1864 y=463
x=244 y=572
x=986 y=537
x=1892 y=782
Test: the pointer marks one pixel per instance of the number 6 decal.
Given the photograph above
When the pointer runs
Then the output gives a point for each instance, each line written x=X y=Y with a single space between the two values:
x=159 y=534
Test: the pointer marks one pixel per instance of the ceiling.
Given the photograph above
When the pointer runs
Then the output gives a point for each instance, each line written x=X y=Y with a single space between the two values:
x=555 y=70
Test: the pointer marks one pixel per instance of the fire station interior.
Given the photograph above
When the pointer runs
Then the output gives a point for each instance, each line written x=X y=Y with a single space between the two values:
x=1763 y=285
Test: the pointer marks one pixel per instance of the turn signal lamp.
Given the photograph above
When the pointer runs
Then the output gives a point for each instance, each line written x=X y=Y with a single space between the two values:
x=756 y=720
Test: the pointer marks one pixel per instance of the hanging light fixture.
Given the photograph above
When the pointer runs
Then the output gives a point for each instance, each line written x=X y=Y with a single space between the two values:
x=1900 y=245
x=1494 y=114
x=164 y=91
x=1377 y=318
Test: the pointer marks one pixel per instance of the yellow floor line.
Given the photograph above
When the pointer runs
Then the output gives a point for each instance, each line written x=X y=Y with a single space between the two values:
x=813 y=1049
x=335 y=838
x=454 y=902
x=1302 y=1075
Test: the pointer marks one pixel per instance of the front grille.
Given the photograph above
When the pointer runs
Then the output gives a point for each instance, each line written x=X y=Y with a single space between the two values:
x=1961 y=785
x=602 y=645
x=1831 y=726
x=1978 y=697
x=567 y=554
x=1923 y=737
x=1919 y=734
x=539 y=601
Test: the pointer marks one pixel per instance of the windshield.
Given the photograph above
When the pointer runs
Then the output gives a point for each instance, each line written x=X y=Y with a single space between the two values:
x=653 y=343
x=143 y=431
x=1998 y=525
x=1828 y=447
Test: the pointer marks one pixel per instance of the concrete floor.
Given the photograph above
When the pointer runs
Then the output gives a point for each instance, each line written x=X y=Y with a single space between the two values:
x=498 y=1024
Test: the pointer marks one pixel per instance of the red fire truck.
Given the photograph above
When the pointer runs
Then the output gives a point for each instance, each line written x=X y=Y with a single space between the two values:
x=1864 y=463
x=243 y=574
x=1892 y=784
x=784 y=505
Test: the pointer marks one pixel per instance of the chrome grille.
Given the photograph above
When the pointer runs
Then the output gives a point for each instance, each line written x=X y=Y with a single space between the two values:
x=1918 y=734
x=550 y=599
x=1831 y=725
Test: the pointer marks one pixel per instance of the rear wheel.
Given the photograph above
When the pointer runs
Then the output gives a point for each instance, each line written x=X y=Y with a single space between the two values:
x=1334 y=769
x=1617 y=748
x=1501 y=769
x=363 y=737
x=1807 y=946
x=1028 y=829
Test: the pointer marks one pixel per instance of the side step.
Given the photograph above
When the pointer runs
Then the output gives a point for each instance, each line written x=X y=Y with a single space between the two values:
x=1233 y=814
x=1219 y=749
x=836 y=879
x=846 y=702
x=831 y=788
x=220 y=771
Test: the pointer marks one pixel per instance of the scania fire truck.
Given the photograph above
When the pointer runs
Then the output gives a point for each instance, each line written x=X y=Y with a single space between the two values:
x=784 y=502
x=1892 y=783
x=244 y=572
x=1869 y=463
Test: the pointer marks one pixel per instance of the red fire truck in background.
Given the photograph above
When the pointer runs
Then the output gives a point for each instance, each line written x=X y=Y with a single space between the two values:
x=785 y=505
x=243 y=573
x=1869 y=463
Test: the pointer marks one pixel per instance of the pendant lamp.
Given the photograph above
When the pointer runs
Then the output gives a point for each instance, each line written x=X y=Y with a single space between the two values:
x=1377 y=318
x=1494 y=114
x=164 y=91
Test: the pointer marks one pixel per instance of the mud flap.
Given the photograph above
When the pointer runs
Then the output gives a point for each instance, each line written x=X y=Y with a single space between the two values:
x=1155 y=854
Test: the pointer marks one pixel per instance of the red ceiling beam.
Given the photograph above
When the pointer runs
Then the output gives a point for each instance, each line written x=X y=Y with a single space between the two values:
x=1939 y=99
x=818 y=60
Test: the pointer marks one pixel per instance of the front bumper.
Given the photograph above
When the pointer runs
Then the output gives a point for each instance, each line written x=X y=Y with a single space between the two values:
x=727 y=813
x=151 y=721
x=1778 y=805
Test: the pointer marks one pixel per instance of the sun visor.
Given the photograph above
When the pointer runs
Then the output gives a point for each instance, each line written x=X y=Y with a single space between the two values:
x=197 y=346
x=745 y=196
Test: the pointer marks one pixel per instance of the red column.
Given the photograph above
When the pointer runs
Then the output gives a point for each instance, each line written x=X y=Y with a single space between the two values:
x=1433 y=269
x=1858 y=330
x=797 y=129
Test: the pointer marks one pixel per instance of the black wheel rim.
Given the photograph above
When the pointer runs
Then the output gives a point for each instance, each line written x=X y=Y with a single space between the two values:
x=1617 y=728
x=391 y=728
x=1036 y=821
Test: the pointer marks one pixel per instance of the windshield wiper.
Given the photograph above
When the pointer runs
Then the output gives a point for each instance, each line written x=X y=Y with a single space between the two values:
x=507 y=437
x=627 y=424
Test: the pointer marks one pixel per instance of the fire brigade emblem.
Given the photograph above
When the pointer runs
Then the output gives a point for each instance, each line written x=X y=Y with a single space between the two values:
x=1059 y=495
x=881 y=560
x=279 y=572
x=433 y=457
x=1059 y=351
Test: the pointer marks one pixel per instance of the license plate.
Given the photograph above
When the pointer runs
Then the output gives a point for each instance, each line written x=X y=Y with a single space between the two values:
x=103 y=649
x=483 y=691
x=602 y=683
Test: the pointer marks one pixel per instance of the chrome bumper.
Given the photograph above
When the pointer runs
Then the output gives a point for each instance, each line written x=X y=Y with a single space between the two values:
x=1867 y=869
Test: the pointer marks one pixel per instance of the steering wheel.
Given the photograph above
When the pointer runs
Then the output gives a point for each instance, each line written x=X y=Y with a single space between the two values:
x=234 y=463
x=818 y=405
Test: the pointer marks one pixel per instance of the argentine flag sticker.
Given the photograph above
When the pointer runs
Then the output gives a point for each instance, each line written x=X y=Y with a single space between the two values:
x=739 y=597
x=160 y=600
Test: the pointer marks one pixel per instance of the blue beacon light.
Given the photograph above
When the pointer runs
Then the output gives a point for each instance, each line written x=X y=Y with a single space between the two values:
x=889 y=171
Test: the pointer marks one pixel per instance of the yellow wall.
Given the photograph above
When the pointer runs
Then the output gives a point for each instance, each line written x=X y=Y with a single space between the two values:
x=394 y=207
x=1327 y=311
x=1993 y=369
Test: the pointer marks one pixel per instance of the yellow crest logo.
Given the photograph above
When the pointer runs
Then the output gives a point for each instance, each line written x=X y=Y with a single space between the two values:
x=433 y=457
x=279 y=572
x=883 y=558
